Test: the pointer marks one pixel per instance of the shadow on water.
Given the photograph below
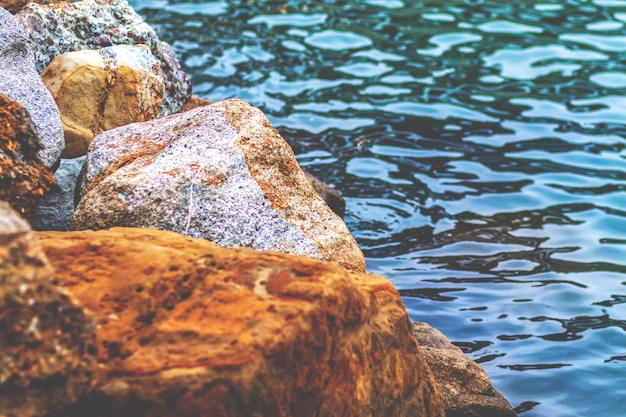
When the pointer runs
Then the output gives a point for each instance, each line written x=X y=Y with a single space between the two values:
x=481 y=148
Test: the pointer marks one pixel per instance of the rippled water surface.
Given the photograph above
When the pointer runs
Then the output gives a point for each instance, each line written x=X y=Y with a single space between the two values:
x=481 y=149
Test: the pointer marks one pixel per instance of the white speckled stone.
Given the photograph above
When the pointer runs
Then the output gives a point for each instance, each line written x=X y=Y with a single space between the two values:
x=219 y=172
x=20 y=82
x=63 y=27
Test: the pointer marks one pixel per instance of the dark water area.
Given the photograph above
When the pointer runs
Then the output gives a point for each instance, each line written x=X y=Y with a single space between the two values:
x=481 y=149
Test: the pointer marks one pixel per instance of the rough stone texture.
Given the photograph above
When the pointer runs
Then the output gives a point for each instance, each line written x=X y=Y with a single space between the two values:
x=465 y=387
x=59 y=28
x=24 y=179
x=332 y=197
x=98 y=90
x=58 y=205
x=219 y=172
x=20 y=82
x=47 y=340
x=187 y=328
x=13 y=6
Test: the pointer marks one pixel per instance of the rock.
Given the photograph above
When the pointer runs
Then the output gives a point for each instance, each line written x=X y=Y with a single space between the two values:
x=47 y=340
x=20 y=82
x=13 y=6
x=332 y=197
x=58 y=205
x=24 y=179
x=465 y=387
x=195 y=102
x=65 y=27
x=189 y=328
x=219 y=172
x=98 y=90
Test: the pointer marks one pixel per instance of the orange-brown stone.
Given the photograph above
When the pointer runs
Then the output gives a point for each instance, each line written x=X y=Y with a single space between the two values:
x=188 y=328
x=47 y=340
x=24 y=179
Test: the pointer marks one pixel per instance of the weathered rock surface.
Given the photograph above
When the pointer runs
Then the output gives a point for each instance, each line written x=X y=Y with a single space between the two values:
x=24 y=179
x=98 y=90
x=465 y=387
x=47 y=340
x=20 y=82
x=219 y=172
x=13 y=6
x=188 y=328
x=57 y=208
x=65 y=27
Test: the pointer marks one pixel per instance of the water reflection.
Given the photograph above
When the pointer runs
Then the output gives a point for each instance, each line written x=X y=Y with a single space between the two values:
x=481 y=148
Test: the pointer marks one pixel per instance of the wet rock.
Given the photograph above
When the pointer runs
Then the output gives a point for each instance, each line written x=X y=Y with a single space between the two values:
x=47 y=340
x=98 y=90
x=465 y=387
x=189 y=328
x=332 y=197
x=219 y=172
x=59 y=28
x=24 y=179
x=20 y=82
x=57 y=208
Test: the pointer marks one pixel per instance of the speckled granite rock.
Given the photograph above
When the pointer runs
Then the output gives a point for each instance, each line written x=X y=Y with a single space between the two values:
x=98 y=90
x=20 y=82
x=465 y=387
x=219 y=172
x=24 y=179
x=47 y=340
x=187 y=328
x=59 y=28
x=57 y=208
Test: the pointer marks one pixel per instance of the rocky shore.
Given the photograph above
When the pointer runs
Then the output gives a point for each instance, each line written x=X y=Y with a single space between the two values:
x=161 y=255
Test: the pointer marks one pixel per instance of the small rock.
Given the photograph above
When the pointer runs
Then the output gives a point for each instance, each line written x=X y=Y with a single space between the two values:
x=332 y=197
x=218 y=172
x=47 y=340
x=103 y=89
x=195 y=102
x=20 y=82
x=23 y=178
x=465 y=386
x=187 y=328
x=58 y=205
x=65 y=27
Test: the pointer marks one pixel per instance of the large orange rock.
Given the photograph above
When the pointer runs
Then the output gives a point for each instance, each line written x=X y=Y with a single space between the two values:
x=187 y=328
x=47 y=340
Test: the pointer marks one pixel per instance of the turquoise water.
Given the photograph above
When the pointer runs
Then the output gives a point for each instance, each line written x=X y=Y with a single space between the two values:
x=481 y=149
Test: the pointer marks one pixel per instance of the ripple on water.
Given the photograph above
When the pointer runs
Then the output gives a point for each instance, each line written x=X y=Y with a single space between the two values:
x=480 y=147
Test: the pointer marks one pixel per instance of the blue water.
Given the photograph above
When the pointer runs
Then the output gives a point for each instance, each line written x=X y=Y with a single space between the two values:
x=481 y=149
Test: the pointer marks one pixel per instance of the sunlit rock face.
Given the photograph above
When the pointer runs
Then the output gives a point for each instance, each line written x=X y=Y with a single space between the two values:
x=188 y=328
x=58 y=28
x=98 y=90
x=219 y=172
